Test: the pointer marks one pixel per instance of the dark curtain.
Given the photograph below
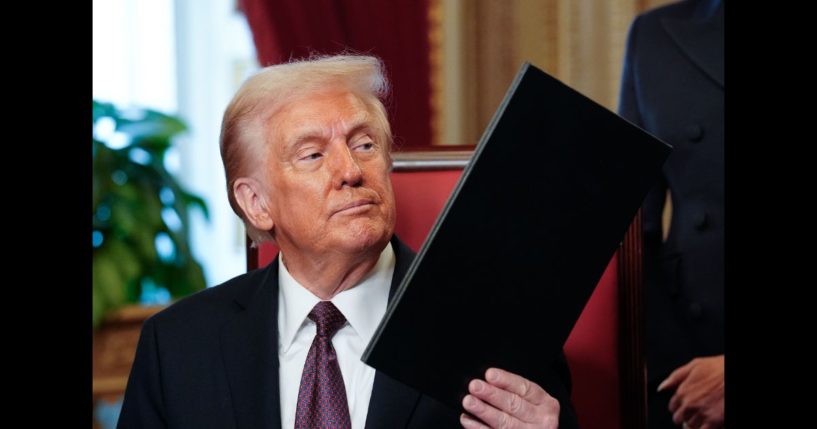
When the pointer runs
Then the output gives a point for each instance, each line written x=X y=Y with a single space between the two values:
x=394 y=30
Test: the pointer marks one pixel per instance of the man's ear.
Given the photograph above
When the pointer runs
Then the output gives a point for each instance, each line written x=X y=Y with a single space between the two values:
x=249 y=195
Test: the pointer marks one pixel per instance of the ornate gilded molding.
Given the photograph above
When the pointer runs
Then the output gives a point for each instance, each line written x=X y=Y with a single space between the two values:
x=431 y=160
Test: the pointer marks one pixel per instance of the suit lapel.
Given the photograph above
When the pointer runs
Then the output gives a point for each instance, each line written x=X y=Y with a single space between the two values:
x=249 y=344
x=701 y=39
x=393 y=402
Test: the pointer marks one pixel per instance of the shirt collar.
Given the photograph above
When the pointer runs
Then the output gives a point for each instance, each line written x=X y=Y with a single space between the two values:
x=363 y=305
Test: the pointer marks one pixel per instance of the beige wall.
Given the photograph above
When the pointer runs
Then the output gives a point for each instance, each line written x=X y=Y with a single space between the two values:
x=478 y=46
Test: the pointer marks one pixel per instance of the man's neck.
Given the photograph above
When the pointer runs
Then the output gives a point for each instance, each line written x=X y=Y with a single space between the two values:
x=328 y=275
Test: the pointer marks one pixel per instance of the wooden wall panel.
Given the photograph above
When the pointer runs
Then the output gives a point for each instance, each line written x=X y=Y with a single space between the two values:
x=481 y=44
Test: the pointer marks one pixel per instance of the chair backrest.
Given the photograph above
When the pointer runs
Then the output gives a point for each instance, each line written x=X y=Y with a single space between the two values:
x=604 y=348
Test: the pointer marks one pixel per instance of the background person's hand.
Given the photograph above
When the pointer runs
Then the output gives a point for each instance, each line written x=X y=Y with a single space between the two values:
x=698 y=399
x=507 y=401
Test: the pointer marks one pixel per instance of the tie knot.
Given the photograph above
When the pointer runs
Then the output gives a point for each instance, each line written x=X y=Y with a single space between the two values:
x=327 y=317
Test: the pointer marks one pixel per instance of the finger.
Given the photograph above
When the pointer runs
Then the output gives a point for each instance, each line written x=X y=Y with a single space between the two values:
x=519 y=385
x=488 y=414
x=695 y=421
x=677 y=418
x=675 y=378
x=503 y=400
x=469 y=423
x=675 y=402
x=682 y=415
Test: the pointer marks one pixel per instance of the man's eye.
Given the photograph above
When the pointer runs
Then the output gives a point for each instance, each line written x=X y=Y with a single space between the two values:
x=365 y=146
x=312 y=156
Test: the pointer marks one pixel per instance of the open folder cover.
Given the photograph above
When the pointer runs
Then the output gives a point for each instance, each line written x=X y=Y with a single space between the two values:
x=521 y=243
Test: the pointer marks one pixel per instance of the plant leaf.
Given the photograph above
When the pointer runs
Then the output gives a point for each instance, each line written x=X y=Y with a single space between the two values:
x=150 y=124
x=127 y=210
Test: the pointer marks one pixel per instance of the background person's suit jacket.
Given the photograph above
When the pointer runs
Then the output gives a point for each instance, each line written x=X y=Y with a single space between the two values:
x=673 y=87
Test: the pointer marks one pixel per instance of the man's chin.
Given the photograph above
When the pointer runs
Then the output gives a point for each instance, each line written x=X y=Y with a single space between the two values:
x=364 y=241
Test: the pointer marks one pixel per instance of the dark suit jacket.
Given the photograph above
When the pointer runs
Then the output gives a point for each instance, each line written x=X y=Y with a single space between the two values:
x=211 y=361
x=672 y=86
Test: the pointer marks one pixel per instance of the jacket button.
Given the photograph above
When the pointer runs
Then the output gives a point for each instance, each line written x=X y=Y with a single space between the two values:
x=694 y=133
x=700 y=220
x=696 y=310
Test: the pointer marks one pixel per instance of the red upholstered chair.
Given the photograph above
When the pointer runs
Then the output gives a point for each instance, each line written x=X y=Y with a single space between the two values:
x=604 y=350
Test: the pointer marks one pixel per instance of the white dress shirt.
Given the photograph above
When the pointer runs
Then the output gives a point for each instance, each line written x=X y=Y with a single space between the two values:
x=363 y=306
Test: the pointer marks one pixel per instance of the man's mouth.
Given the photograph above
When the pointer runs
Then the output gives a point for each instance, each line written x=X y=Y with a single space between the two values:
x=354 y=207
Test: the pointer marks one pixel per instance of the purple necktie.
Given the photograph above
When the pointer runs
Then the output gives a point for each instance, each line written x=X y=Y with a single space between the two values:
x=322 y=395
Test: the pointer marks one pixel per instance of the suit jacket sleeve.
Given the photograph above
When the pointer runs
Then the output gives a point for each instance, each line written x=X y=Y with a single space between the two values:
x=629 y=109
x=628 y=103
x=561 y=389
x=143 y=406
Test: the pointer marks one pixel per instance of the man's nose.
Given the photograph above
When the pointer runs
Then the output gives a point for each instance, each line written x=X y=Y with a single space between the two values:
x=347 y=169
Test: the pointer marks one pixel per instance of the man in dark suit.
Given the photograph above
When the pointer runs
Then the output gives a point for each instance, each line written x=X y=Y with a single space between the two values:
x=306 y=150
x=672 y=86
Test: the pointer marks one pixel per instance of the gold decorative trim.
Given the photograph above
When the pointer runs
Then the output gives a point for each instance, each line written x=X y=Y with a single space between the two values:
x=431 y=160
x=435 y=53
x=109 y=385
x=133 y=313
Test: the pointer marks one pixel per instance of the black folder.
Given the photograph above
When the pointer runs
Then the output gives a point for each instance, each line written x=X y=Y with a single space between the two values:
x=537 y=214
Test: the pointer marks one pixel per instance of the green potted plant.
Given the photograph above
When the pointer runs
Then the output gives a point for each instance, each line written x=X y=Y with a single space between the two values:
x=140 y=212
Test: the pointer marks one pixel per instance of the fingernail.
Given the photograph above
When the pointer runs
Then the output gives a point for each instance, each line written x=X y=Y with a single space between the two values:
x=491 y=375
x=476 y=386
x=472 y=404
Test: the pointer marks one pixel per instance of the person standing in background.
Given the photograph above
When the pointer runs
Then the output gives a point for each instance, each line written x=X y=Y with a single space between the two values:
x=673 y=87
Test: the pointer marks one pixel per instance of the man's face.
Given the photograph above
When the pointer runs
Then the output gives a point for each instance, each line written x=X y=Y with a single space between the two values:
x=329 y=186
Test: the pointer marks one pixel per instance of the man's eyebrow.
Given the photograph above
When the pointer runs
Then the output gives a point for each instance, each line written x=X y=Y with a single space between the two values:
x=365 y=125
x=363 y=121
x=309 y=133
x=318 y=132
